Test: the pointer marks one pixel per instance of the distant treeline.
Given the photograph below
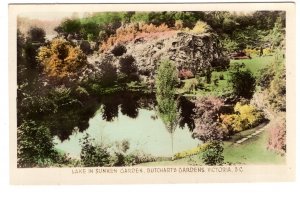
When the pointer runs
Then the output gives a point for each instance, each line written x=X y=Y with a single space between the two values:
x=237 y=30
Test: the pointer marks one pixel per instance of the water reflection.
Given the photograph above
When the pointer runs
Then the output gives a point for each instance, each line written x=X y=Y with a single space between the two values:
x=66 y=120
x=69 y=120
x=143 y=134
x=130 y=102
x=186 y=113
x=126 y=116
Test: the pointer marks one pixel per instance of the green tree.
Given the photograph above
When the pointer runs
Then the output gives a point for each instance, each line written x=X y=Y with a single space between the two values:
x=36 y=34
x=35 y=145
x=166 y=81
x=108 y=73
x=140 y=17
x=21 y=68
x=242 y=82
x=71 y=26
x=90 y=30
x=276 y=35
x=34 y=39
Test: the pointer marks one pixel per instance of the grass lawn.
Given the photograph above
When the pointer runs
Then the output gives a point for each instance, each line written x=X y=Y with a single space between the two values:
x=252 y=151
x=222 y=88
x=256 y=63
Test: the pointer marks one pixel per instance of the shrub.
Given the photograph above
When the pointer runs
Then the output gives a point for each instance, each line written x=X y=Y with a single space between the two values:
x=207 y=125
x=93 y=155
x=266 y=75
x=85 y=47
x=36 y=34
x=190 y=152
x=252 y=52
x=34 y=146
x=200 y=27
x=127 y=65
x=185 y=73
x=190 y=85
x=138 y=157
x=230 y=45
x=245 y=117
x=277 y=136
x=212 y=154
x=70 y=26
x=150 y=28
x=81 y=92
x=242 y=83
x=236 y=66
x=267 y=51
x=277 y=91
x=61 y=96
x=273 y=82
x=178 y=24
x=119 y=50
x=108 y=73
x=120 y=157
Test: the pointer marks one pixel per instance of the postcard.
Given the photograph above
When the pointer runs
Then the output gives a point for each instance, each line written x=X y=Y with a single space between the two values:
x=152 y=93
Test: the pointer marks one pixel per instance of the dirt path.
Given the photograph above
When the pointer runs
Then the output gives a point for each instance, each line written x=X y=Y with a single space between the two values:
x=259 y=129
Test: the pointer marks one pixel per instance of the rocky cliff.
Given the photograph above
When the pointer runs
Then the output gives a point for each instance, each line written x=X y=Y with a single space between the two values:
x=196 y=52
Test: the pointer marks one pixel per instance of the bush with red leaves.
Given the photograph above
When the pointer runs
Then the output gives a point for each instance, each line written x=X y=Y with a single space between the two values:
x=207 y=113
x=277 y=136
x=185 y=73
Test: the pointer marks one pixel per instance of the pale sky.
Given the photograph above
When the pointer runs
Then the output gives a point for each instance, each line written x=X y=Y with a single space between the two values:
x=62 y=15
x=50 y=15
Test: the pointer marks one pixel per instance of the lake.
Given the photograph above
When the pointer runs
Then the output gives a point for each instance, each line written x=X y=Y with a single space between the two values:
x=127 y=116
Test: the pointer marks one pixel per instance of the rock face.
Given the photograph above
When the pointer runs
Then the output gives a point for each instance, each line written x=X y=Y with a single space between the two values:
x=198 y=53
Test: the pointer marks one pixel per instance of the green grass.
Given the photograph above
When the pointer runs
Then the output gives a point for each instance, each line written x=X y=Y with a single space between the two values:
x=222 y=88
x=256 y=63
x=244 y=133
x=252 y=151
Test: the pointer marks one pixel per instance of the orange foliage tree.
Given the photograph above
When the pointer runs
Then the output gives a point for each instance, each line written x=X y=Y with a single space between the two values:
x=61 y=59
x=130 y=32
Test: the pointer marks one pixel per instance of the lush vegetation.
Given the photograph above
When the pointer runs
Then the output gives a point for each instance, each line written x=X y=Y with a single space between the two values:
x=245 y=116
x=60 y=59
x=165 y=93
x=60 y=86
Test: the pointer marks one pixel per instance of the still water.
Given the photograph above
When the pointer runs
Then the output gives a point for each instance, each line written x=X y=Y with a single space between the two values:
x=133 y=117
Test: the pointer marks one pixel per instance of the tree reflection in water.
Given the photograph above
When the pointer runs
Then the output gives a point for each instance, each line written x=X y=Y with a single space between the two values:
x=186 y=110
x=167 y=111
x=75 y=118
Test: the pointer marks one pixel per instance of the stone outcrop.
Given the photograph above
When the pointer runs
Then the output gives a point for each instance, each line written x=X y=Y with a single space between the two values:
x=196 y=52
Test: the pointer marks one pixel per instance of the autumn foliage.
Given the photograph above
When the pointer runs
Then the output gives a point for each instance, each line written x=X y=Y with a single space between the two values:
x=60 y=59
x=131 y=32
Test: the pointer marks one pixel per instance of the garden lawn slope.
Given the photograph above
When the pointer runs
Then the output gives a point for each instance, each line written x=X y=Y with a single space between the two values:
x=252 y=151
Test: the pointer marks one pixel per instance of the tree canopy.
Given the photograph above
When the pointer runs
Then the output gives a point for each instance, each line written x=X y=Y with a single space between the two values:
x=61 y=59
